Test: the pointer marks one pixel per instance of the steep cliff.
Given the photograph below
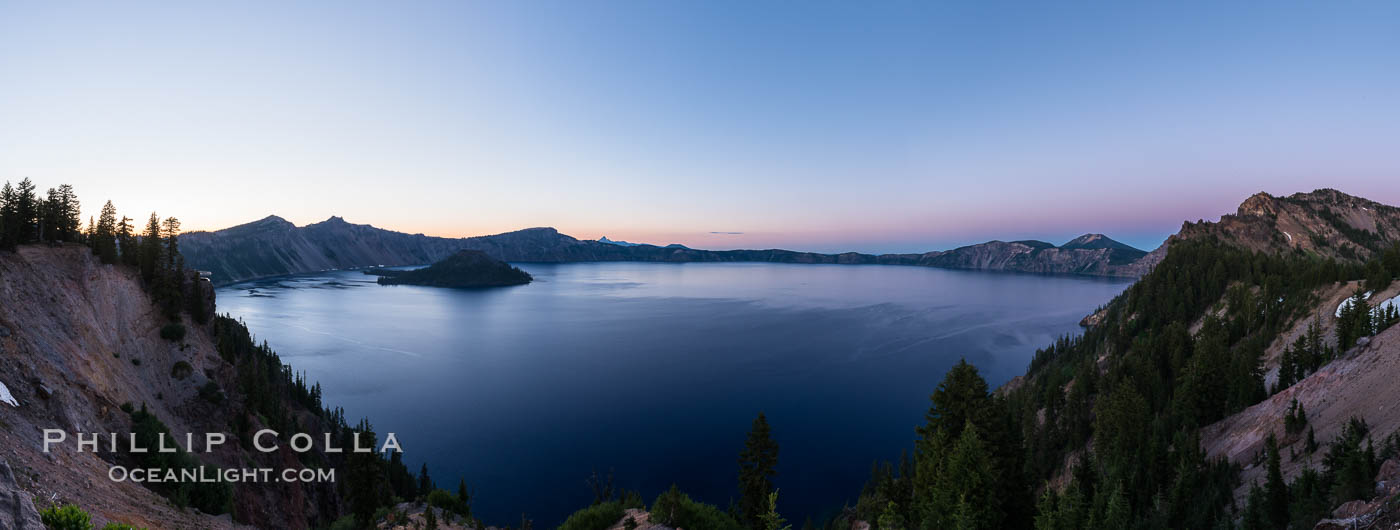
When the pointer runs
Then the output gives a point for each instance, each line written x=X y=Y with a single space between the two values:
x=1092 y=254
x=80 y=339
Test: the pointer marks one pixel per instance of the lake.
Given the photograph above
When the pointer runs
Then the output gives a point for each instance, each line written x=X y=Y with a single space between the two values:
x=655 y=371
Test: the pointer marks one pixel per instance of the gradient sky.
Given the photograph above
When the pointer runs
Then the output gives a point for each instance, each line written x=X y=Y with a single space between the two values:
x=892 y=126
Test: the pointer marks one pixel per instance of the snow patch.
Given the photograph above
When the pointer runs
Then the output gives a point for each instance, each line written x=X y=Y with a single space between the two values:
x=1347 y=302
x=1393 y=302
x=6 y=397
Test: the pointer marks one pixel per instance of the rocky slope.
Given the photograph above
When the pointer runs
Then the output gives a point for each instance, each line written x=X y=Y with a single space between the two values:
x=1093 y=254
x=274 y=247
x=1324 y=222
x=78 y=339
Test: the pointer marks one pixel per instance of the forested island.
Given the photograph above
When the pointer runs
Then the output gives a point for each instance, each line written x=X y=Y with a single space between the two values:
x=465 y=269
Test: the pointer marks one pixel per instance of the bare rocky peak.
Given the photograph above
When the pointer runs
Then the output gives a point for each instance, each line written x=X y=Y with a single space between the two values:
x=1323 y=222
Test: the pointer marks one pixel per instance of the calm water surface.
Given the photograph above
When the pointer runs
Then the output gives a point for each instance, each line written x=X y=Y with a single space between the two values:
x=656 y=370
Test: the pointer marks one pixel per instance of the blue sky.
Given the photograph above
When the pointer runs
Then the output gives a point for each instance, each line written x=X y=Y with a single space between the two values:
x=891 y=126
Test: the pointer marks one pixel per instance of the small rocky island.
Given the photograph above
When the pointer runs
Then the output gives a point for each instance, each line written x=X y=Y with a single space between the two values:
x=466 y=268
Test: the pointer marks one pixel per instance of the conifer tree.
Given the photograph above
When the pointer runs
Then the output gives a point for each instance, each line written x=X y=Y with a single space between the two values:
x=9 y=218
x=1275 y=489
x=1119 y=513
x=69 y=214
x=150 y=249
x=964 y=492
x=771 y=519
x=26 y=206
x=890 y=519
x=363 y=477
x=464 y=498
x=49 y=211
x=104 y=242
x=425 y=483
x=126 y=243
x=196 y=302
x=757 y=467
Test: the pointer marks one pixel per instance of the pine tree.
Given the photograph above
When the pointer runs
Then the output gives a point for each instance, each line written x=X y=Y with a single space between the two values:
x=965 y=487
x=890 y=519
x=126 y=243
x=49 y=211
x=196 y=302
x=363 y=475
x=960 y=398
x=757 y=467
x=771 y=519
x=70 y=213
x=104 y=242
x=26 y=206
x=429 y=520
x=425 y=483
x=464 y=498
x=1119 y=513
x=150 y=250
x=1355 y=321
x=1275 y=489
x=170 y=231
x=9 y=217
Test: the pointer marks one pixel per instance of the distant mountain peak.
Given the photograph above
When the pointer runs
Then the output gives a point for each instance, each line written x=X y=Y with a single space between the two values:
x=1093 y=241
x=605 y=239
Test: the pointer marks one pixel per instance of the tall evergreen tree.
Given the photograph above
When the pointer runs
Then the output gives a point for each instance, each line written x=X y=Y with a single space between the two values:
x=26 y=206
x=364 y=474
x=758 y=464
x=425 y=483
x=104 y=238
x=49 y=211
x=8 y=216
x=126 y=243
x=150 y=249
x=1275 y=489
x=464 y=498
x=70 y=213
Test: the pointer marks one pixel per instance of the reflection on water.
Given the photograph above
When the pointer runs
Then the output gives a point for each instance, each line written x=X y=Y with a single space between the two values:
x=656 y=370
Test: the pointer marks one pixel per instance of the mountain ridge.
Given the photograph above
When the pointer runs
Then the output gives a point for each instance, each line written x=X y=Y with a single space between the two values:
x=273 y=246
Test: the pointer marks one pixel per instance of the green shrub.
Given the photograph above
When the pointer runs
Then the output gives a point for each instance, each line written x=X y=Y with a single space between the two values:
x=121 y=526
x=345 y=523
x=127 y=408
x=446 y=501
x=172 y=332
x=181 y=370
x=381 y=514
x=596 y=517
x=136 y=362
x=67 y=517
x=676 y=510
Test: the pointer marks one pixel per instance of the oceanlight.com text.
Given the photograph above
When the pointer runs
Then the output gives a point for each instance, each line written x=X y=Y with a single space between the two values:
x=209 y=474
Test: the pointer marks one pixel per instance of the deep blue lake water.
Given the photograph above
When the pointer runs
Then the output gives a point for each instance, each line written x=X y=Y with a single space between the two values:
x=656 y=371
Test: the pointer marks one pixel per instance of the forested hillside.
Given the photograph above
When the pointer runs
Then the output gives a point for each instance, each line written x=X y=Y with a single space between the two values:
x=1104 y=430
